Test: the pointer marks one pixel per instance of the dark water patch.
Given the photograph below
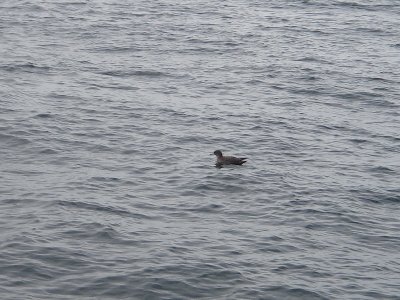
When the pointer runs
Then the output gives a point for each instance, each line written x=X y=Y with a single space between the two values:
x=226 y=275
x=384 y=103
x=359 y=95
x=144 y=73
x=375 y=7
x=27 y=270
x=75 y=3
x=151 y=206
x=92 y=120
x=175 y=288
x=63 y=96
x=310 y=78
x=131 y=151
x=377 y=196
x=118 y=49
x=311 y=59
x=256 y=82
x=210 y=208
x=198 y=280
x=189 y=139
x=93 y=232
x=103 y=233
x=44 y=116
x=202 y=50
x=175 y=113
x=98 y=148
x=379 y=79
x=358 y=141
x=38 y=264
x=60 y=257
x=25 y=67
x=105 y=179
x=13 y=140
x=380 y=240
x=371 y=30
x=170 y=148
x=382 y=170
x=25 y=199
x=289 y=292
x=113 y=87
x=341 y=129
x=377 y=295
x=48 y=151
x=26 y=172
x=231 y=188
x=263 y=247
x=390 y=138
x=290 y=267
x=189 y=193
x=101 y=208
x=178 y=250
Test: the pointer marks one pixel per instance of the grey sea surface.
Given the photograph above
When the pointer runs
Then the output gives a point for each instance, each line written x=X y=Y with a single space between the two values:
x=109 y=111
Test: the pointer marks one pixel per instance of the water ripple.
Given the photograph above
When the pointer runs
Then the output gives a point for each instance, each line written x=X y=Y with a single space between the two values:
x=111 y=112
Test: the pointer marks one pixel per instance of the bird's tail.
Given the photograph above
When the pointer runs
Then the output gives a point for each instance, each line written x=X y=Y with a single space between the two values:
x=243 y=160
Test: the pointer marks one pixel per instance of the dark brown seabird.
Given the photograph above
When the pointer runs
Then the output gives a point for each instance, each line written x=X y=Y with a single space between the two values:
x=228 y=160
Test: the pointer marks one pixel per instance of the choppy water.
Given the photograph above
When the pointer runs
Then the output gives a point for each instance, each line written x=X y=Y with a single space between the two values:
x=110 y=110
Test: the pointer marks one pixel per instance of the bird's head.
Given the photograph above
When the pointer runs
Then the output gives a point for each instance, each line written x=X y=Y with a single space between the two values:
x=218 y=153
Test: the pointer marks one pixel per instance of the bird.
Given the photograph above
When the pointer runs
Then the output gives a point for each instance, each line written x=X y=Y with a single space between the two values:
x=228 y=160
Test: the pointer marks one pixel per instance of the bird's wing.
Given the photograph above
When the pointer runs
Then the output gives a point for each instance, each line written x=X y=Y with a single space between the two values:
x=234 y=160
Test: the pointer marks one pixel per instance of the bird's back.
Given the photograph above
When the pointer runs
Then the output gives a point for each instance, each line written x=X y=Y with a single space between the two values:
x=232 y=160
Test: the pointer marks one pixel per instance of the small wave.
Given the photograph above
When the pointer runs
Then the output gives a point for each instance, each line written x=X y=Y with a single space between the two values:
x=379 y=79
x=274 y=248
x=99 y=148
x=358 y=141
x=101 y=208
x=134 y=73
x=364 y=6
x=198 y=280
x=25 y=67
x=378 y=197
x=44 y=116
x=211 y=208
x=48 y=151
x=288 y=292
x=314 y=60
x=130 y=151
x=232 y=188
x=13 y=141
x=75 y=3
x=62 y=96
x=358 y=95
x=370 y=30
x=382 y=169
x=105 y=179
x=114 y=87
x=117 y=49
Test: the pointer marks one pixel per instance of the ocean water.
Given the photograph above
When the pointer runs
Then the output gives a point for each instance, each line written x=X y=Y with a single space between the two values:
x=109 y=111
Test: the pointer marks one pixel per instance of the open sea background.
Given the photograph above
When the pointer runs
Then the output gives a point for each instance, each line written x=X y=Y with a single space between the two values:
x=109 y=111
